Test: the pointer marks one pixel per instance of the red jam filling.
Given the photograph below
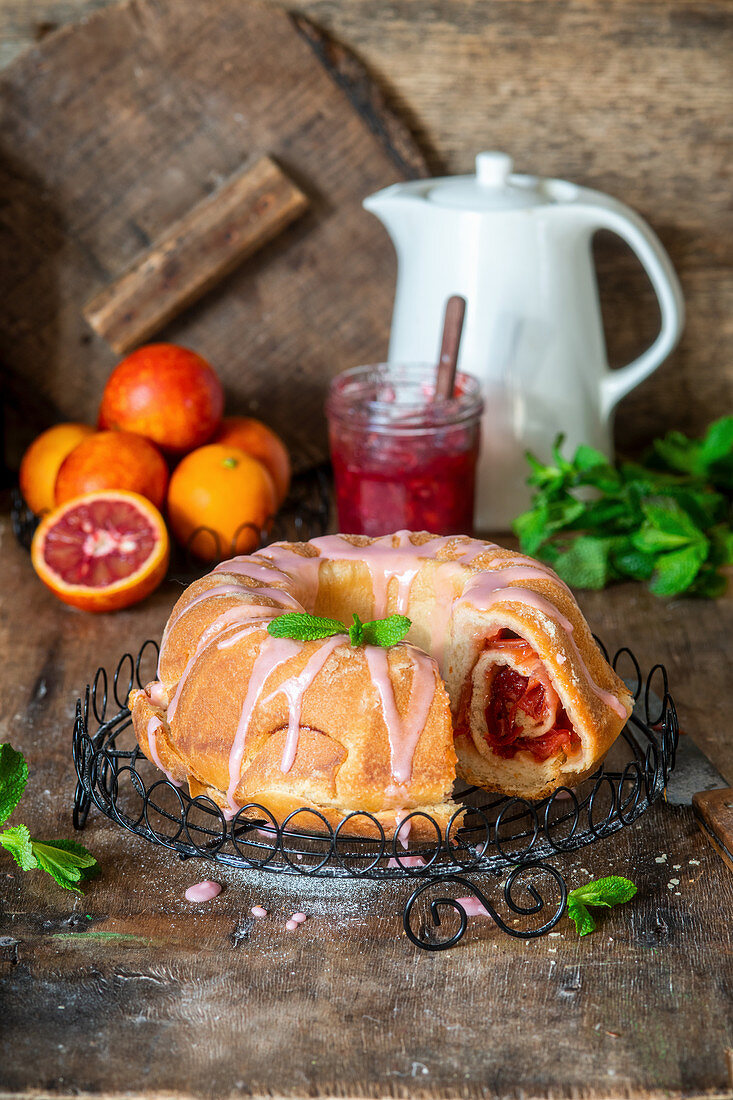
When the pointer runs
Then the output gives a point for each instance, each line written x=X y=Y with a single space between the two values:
x=512 y=692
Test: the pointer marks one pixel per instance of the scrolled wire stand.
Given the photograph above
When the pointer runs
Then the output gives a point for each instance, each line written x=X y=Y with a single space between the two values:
x=489 y=835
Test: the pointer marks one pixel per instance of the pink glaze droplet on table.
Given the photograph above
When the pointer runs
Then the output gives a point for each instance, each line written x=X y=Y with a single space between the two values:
x=291 y=926
x=203 y=891
x=473 y=907
x=299 y=917
x=258 y=911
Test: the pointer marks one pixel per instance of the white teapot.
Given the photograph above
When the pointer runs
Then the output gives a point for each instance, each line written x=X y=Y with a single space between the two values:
x=518 y=249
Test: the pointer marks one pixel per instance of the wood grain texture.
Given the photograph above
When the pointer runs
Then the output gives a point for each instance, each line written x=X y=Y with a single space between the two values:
x=632 y=98
x=192 y=256
x=714 y=812
x=153 y=995
x=115 y=129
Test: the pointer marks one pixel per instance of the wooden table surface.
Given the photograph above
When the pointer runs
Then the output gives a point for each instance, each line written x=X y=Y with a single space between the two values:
x=132 y=990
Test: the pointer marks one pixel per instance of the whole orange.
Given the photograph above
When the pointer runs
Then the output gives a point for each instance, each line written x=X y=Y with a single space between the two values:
x=167 y=393
x=226 y=491
x=42 y=460
x=113 y=460
x=256 y=439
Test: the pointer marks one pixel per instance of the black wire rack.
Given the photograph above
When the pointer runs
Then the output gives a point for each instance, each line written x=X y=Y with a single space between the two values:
x=489 y=835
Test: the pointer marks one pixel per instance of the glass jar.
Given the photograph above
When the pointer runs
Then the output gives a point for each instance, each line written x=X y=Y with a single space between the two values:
x=401 y=459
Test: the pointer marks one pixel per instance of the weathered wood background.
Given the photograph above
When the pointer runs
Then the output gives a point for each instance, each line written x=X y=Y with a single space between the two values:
x=130 y=990
x=633 y=98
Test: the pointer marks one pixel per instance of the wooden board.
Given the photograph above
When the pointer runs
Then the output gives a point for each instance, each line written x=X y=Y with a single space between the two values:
x=632 y=98
x=130 y=990
x=115 y=129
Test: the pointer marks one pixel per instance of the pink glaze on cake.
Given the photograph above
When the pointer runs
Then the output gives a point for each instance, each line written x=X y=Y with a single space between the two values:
x=155 y=724
x=403 y=831
x=403 y=731
x=273 y=653
x=294 y=689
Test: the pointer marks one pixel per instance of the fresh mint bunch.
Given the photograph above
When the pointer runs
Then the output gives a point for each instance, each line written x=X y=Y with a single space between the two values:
x=68 y=863
x=668 y=522
x=605 y=892
x=305 y=628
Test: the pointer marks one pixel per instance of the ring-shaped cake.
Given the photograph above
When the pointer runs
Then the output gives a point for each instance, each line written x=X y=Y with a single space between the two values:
x=499 y=682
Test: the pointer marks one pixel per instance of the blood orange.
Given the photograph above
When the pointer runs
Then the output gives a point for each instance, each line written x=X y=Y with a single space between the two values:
x=167 y=393
x=102 y=551
x=113 y=460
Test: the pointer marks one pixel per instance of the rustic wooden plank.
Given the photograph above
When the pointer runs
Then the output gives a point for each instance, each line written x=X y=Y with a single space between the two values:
x=714 y=812
x=154 y=995
x=192 y=256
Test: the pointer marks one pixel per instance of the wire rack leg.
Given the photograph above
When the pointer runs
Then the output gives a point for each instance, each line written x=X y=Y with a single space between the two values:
x=426 y=937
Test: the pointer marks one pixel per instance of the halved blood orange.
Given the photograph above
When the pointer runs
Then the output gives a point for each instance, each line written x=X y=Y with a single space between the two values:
x=102 y=551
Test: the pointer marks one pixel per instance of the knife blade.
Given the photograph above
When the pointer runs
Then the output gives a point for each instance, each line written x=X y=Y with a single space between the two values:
x=696 y=782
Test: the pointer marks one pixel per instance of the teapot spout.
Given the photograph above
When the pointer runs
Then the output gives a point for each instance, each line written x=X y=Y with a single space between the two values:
x=398 y=208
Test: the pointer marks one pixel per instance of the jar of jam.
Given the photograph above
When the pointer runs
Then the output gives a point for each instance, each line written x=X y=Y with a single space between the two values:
x=401 y=458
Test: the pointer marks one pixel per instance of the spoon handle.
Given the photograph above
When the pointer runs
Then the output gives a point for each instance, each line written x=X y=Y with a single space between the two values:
x=455 y=309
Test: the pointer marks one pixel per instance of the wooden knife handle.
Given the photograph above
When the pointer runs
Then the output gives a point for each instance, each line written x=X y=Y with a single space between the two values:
x=247 y=211
x=714 y=813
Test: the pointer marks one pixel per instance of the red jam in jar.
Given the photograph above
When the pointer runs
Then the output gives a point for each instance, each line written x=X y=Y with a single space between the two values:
x=402 y=460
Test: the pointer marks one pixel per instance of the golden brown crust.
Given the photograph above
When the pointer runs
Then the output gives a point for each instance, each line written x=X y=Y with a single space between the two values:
x=343 y=761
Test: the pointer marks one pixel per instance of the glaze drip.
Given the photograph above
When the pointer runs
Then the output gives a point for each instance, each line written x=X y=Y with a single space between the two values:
x=295 y=688
x=273 y=653
x=155 y=724
x=403 y=732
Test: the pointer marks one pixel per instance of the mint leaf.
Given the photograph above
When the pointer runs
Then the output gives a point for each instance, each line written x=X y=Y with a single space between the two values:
x=304 y=627
x=17 y=841
x=586 y=563
x=86 y=862
x=356 y=632
x=386 y=632
x=717 y=443
x=670 y=519
x=605 y=892
x=13 y=778
x=588 y=458
x=580 y=916
x=531 y=528
x=709 y=584
x=676 y=571
x=65 y=861
x=630 y=562
x=613 y=890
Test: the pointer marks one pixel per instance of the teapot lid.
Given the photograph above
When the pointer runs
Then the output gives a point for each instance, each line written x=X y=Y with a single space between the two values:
x=492 y=188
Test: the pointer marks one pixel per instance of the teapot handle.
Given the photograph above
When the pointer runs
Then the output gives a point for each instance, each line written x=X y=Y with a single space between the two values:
x=604 y=212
